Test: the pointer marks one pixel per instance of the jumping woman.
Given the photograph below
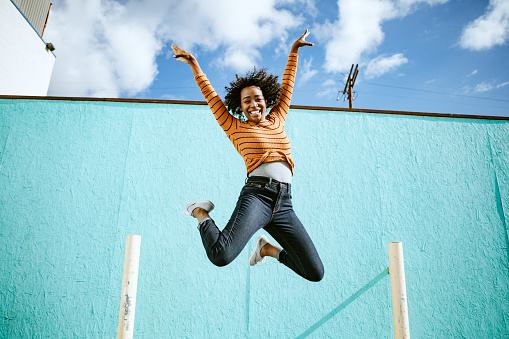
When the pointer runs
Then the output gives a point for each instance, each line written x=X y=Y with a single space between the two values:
x=265 y=200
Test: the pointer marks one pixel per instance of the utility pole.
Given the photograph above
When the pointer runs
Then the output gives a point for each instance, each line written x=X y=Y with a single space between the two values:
x=349 y=84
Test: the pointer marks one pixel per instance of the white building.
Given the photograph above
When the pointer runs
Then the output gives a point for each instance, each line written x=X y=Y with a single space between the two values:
x=26 y=62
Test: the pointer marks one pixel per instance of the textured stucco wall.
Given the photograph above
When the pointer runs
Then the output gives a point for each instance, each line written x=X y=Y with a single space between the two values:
x=77 y=177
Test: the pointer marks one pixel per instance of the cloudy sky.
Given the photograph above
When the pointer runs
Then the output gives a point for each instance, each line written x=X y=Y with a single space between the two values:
x=441 y=56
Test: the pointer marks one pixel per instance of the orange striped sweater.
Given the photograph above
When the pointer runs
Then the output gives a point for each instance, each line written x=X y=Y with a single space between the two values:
x=262 y=142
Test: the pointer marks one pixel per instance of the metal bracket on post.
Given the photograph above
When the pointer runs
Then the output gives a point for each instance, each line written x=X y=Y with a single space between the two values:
x=398 y=291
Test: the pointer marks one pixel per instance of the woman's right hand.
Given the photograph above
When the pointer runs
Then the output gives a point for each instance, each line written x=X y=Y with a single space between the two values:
x=187 y=58
x=301 y=42
x=182 y=55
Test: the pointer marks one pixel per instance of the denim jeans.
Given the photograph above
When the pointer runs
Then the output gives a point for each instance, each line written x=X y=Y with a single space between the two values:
x=264 y=203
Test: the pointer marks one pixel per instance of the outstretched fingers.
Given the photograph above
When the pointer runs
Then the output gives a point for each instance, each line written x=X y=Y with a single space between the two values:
x=180 y=54
x=303 y=39
x=300 y=42
x=187 y=58
x=305 y=35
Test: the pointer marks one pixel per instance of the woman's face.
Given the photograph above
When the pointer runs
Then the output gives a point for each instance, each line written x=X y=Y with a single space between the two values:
x=253 y=104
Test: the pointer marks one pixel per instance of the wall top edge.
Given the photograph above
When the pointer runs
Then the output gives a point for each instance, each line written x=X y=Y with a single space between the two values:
x=315 y=108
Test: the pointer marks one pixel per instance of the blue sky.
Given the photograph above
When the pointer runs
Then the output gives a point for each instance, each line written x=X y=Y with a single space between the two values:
x=439 y=56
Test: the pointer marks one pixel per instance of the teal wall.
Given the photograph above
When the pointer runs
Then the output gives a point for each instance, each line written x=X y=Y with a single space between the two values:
x=76 y=177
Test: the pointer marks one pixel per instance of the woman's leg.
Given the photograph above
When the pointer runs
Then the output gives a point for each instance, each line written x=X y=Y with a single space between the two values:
x=251 y=213
x=298 y=252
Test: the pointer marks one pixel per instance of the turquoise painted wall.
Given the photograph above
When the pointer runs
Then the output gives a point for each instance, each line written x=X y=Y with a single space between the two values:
x=76 y=177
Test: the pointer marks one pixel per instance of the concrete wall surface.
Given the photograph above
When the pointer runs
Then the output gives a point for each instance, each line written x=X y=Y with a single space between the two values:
x=77 y=177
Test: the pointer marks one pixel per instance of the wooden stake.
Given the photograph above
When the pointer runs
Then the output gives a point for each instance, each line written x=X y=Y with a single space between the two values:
x=129 y=286
x=398 y=291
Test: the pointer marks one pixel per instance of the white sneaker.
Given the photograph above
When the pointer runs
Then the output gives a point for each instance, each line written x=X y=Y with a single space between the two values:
x=256 y=257
x=205 y=204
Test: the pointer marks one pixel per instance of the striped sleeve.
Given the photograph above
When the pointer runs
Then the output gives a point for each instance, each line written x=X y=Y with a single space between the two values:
x=216 y=105
x=283 y=104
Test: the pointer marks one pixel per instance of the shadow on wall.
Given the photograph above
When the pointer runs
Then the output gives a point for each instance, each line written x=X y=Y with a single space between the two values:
x=344 y=304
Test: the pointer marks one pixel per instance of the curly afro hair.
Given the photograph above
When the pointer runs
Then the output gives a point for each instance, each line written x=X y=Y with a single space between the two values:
x=268 y=84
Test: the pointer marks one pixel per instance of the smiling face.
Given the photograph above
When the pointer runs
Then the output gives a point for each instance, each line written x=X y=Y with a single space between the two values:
x=253 y=104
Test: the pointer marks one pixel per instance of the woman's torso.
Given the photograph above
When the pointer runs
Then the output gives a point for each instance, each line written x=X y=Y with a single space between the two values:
x=278 y=170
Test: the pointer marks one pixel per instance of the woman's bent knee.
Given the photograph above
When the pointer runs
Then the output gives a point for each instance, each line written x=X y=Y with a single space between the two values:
x=221 y=259
x=316 y=275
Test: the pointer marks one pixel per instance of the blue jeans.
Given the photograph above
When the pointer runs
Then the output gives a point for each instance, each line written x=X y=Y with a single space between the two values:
x=264 y=203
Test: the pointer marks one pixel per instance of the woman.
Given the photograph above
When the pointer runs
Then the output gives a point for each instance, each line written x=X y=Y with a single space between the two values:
x=265 y=200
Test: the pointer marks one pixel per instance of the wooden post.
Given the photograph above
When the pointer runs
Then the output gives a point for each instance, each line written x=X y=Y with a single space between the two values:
x=398 y=291
x=350 y=94
x=129 y=286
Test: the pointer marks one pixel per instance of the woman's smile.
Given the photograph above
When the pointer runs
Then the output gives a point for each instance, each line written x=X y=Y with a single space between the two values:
x=253 y=104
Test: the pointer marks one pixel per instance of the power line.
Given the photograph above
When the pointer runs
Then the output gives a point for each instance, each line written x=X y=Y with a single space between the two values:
x=437 y=100
x=435 y=92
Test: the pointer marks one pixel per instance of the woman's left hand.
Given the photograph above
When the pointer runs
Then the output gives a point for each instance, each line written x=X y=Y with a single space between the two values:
x=301 y=42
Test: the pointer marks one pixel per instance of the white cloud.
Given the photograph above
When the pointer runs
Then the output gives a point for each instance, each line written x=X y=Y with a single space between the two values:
x=474 y=72
x=229 y=25
x=384 y=64
x=239 y=58
x=108 y=48
x=503 y=84
x=358 y=30
x=489 y=30
x=307 y=5
x=306 y=72
x=100 y=50
x=483 y=87
x=329 y=89
x=464 y=90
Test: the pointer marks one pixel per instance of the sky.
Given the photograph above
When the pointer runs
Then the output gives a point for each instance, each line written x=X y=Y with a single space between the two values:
x=436 y=56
